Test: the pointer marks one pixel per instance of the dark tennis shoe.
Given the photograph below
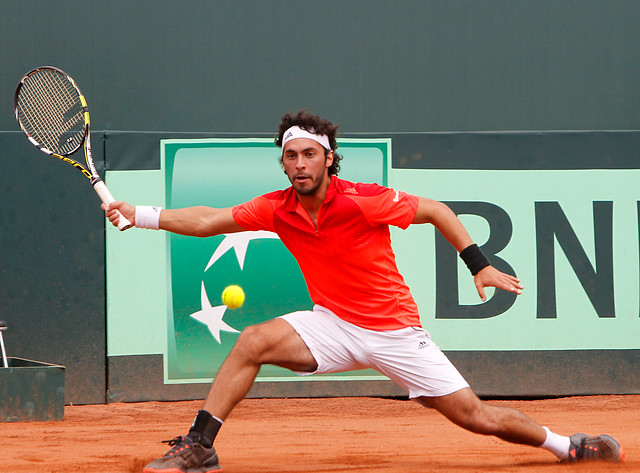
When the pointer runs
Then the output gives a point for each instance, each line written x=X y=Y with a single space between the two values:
x=186 y=456
x=603 y=447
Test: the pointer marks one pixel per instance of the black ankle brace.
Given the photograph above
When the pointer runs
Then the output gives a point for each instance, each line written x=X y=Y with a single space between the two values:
x=204 y=429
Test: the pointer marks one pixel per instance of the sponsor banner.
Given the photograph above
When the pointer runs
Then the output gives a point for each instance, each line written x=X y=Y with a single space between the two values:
x=571 y=236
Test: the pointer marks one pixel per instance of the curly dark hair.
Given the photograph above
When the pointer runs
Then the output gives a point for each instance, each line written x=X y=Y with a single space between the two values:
x=313 y=124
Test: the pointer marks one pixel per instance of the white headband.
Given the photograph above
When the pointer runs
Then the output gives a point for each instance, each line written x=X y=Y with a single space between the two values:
x=297 y=132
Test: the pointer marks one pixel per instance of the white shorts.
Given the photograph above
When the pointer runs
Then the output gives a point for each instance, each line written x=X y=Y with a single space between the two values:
x=407 y=356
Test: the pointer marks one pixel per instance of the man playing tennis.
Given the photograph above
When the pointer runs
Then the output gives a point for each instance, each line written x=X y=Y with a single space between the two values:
x=364 y=314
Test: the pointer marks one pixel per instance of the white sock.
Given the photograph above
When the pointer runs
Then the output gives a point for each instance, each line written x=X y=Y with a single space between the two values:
x=557 y=444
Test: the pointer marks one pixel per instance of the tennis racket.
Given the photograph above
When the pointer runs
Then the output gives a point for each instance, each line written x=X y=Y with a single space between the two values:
x=53 y=113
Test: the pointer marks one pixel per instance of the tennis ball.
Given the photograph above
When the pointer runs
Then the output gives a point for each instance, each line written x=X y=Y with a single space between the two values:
x=233 y=296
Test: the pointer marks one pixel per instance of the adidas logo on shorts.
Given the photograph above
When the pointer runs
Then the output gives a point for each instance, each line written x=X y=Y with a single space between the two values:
x=422 y=345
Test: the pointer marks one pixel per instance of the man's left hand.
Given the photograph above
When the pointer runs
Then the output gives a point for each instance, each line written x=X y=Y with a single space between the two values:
x=491 y=277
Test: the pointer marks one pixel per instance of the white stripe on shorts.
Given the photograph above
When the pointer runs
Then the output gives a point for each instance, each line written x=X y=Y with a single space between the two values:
x=407 y=356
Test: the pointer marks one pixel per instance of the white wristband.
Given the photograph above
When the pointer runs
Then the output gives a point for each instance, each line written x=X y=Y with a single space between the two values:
x=148 y=216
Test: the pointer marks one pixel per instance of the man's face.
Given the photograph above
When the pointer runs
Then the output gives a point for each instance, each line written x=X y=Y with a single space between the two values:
x=305 y=165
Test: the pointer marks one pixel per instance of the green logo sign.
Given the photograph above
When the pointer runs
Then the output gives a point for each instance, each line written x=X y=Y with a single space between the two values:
x=222 y=173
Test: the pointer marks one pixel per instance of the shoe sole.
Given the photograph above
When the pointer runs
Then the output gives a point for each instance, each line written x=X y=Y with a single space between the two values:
x=190 y=470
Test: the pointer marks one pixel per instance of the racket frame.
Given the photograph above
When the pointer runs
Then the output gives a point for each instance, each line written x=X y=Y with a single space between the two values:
x=91 y=173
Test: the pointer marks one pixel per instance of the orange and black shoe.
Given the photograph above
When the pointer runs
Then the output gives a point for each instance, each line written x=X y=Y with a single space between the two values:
x=186 y=456
x=603 y=447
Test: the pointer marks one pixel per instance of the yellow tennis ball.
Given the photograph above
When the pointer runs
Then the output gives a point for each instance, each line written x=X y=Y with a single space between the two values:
x=233 y=296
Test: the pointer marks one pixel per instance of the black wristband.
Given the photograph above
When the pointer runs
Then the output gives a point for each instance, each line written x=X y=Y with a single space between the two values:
x=474 y=258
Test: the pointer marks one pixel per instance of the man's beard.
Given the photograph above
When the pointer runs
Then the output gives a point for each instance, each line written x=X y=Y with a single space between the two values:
x=306 y=190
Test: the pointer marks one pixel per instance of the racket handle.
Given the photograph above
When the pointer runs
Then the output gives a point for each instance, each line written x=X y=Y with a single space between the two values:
x=107 y=198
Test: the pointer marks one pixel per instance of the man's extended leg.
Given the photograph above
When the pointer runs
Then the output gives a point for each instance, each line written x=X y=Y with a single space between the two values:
x=465 y=409
x=273 y=342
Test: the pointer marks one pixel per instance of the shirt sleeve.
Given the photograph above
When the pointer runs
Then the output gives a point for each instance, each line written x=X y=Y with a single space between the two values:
x=257 y=214
x=389 y=207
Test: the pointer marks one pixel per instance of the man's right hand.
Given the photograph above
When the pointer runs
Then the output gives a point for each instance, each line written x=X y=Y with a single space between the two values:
x=127 y=211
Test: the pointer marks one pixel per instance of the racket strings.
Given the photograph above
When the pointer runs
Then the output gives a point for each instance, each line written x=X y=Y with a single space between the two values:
x=54 y=97
x=50 y=111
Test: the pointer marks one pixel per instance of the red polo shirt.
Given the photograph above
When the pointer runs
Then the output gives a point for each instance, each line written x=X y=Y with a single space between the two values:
x=347 y=261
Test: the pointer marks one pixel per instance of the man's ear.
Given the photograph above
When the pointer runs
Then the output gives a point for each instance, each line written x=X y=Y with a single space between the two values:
x=328 y=159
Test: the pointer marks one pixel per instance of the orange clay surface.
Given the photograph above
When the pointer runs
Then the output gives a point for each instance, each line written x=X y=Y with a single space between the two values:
x=362 y=435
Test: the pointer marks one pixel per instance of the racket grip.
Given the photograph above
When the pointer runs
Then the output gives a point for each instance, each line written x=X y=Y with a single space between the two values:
x=107 y=198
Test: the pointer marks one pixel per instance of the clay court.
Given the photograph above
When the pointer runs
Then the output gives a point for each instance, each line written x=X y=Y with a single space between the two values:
x=363 y=435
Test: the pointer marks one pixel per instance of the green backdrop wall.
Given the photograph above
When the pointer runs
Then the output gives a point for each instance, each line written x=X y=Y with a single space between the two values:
x=381 y=67
x=52 y=270
x=580 y=309
x=370 y=65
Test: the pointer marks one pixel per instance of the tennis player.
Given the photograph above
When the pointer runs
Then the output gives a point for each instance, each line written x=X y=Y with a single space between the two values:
x=364 y=314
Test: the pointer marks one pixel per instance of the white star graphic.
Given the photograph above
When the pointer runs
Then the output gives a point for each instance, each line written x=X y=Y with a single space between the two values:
x=212 y=316
x=239 y=242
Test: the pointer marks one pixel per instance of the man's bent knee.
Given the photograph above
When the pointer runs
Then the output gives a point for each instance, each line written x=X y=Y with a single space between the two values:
x=253 y=342
x=274 y=342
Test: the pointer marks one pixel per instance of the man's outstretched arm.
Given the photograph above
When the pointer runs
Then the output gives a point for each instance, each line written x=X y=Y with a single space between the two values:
x=447 y=222
x=192 y=221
